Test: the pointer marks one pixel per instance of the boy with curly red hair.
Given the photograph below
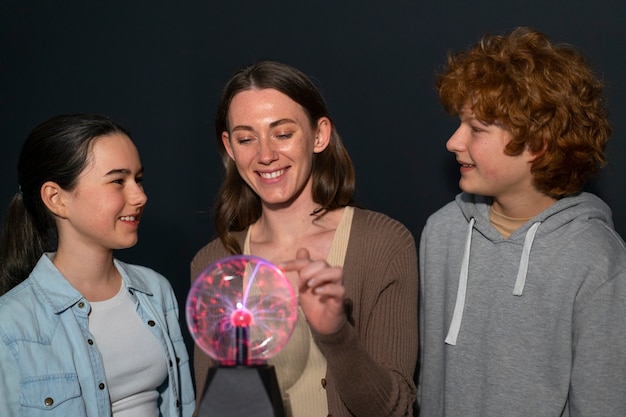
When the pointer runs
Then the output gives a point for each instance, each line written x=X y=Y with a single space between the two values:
x=523 y=278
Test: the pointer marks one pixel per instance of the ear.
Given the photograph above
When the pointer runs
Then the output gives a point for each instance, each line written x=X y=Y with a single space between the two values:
x=53 y=196
x=322 y=134
x=226 y=143
x=534 y=155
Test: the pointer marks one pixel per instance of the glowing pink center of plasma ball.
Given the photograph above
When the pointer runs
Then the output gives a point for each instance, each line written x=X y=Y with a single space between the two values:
x=241 y=317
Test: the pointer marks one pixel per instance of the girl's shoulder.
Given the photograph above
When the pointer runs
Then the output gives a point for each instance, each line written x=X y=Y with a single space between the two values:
x=145 y=279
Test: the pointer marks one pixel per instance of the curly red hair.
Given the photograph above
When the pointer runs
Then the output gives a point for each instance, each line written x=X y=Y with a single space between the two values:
x=545 y=94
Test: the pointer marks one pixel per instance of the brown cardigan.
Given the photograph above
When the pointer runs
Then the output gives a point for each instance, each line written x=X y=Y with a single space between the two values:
x=370 y=362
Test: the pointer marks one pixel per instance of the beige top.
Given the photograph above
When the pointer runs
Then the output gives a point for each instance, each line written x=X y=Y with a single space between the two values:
x=301 y=366
x=503 y=224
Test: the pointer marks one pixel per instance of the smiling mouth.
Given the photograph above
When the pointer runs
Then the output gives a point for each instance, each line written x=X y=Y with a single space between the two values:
x=271 y=175
x=129 y=218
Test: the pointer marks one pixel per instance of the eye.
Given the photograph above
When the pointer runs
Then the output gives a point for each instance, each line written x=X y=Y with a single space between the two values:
x=283 y=136
x=478 y=126
x=244 y=140
x=118 y=181
x=139 y=181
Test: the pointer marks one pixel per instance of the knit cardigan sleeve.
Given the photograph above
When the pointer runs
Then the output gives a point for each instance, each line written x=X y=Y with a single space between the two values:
x=372 y=359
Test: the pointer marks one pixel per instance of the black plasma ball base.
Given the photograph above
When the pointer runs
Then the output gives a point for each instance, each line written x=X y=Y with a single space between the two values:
x=236 y=391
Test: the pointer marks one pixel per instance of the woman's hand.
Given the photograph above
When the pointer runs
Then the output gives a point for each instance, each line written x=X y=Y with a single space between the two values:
x=321 y=292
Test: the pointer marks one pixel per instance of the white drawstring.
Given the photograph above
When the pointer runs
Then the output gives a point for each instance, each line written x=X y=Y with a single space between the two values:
x=455 y=325
x=459 y=306
x=523 y=265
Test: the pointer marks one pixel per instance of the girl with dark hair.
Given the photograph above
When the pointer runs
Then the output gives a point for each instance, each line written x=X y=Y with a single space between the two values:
x=82 y=333
x=287 y=197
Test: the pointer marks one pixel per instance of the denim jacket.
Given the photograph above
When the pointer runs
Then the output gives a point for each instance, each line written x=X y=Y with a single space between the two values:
x=49 y=362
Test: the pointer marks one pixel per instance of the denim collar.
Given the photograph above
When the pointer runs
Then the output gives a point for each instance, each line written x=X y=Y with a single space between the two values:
x=61 y=295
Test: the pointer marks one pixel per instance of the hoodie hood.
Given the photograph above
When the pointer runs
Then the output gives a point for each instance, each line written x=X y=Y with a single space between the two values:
x=584 y=206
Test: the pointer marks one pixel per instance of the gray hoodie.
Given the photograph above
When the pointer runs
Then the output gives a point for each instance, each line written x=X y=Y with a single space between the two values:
x=533 y=325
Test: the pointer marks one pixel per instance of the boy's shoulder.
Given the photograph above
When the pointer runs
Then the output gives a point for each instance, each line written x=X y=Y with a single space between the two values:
x=452 y=210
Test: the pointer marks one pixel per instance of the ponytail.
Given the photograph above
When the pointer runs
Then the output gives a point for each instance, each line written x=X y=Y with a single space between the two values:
x=21 y=245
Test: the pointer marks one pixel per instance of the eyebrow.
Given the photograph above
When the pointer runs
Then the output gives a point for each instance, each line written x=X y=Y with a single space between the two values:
x=273 y=124
x=124 y=171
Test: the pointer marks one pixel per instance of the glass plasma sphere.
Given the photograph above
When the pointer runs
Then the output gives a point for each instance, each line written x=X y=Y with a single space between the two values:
x=238 y=295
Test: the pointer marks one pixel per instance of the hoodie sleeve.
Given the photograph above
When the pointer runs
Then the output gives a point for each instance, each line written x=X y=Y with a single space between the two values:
x=598 y=381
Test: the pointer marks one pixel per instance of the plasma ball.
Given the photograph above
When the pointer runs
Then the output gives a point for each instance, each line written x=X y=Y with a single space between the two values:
x=238 y=302
x=241 y=318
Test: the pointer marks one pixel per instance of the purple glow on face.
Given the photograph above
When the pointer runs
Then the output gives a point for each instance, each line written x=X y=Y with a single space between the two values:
x=241 y=291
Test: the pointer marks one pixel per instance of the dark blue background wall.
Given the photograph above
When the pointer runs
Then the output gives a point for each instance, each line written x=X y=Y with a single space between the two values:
x=158 y=66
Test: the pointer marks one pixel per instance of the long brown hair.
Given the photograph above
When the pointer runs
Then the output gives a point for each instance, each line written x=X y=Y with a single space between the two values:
x=237 y=206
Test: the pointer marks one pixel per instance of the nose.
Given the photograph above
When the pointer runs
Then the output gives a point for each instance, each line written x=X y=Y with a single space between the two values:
x=266 y=151
x=137 y=196
x=456 y=142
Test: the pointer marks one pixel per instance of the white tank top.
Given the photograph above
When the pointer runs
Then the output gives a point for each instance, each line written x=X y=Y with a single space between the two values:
x=134 y=361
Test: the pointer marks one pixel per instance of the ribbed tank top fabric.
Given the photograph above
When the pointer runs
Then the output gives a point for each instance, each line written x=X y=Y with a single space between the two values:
x=301 y=366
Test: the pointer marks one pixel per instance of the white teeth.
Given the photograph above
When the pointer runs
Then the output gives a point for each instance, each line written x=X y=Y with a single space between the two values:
x=272 y=175
x=128 y=218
